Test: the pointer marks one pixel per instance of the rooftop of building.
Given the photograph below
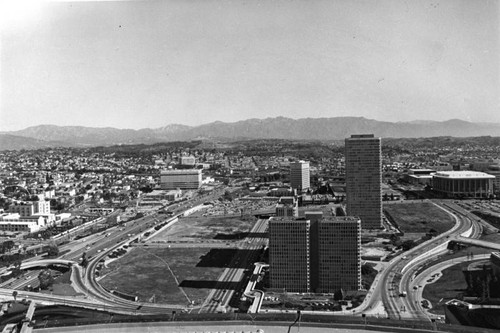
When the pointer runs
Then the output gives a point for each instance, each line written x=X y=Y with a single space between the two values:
x=314 y=212
x=287 y=219
x=281 y=204
x=421 y=170
x=287 y=200
x=420 y=176
x=466 y=174
x=299 y=162
x=324 y=219
x=340 y=219
x=180 y=171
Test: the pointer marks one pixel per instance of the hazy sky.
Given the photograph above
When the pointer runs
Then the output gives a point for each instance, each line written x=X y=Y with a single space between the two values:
x=135 y=64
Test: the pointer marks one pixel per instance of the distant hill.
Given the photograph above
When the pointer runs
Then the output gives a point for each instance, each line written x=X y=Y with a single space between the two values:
x=336 y=128
x=13 y=142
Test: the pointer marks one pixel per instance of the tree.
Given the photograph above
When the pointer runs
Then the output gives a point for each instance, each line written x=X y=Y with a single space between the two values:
x=14 y=294
x=53 y=250
x=367 y=269
x=339 y=295
x=407 y=244
x=16 y=271
x=228 y=196
x=79 y=199
x=146 y=189
x=46 y=279
x=394 y=239
x=7 y=245
x=84 y=262
x=32 y=198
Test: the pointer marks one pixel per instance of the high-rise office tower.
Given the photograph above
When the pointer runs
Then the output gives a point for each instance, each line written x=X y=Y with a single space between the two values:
x=289 y=254
x=339 y=254
x=316 y=253
x=363 y=166
x=299 y=175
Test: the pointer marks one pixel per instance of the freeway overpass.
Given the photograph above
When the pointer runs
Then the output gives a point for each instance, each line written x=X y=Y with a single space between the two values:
x=476 y=242
x=47 y=262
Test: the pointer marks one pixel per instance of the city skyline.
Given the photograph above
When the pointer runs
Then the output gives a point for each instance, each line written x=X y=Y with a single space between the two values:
x=148 y=64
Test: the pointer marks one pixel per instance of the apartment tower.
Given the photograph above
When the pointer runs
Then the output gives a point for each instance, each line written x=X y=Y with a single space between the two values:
x=299 y=175
x=363 y=166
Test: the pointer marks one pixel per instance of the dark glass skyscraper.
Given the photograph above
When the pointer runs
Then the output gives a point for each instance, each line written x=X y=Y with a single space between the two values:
x=363 y=164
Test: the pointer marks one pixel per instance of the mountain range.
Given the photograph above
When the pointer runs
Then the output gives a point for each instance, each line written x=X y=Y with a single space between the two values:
x=336 y=128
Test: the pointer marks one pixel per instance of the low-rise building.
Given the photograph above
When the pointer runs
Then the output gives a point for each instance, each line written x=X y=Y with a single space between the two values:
x=281 y=192
x=31 y=208
x=188 y=160
x=420 y=176
x=287 y=207
x=14 y=222
x=187 y=179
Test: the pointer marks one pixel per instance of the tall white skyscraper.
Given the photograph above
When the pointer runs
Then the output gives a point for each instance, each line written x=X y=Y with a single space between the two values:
x=299 y=175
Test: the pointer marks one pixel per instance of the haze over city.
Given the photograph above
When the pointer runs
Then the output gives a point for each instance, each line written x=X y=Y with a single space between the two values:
x=135 y=64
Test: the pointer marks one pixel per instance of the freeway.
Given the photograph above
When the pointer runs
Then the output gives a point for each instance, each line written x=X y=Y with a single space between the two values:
x=432 y=273
x=407 y=307
x=92 y=245
x=93 y=289
x=97 y=247
x=397 y=276
x=471 y=229
x=219 y=297
x=118 y=237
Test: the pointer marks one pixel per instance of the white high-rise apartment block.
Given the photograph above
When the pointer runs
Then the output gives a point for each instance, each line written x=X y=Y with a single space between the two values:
x=363 y=164
x=300 y=175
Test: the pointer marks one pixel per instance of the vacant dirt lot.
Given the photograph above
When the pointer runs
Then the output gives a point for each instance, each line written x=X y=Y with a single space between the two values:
x=173 y=276
x=207 y=228
x=416 y=217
